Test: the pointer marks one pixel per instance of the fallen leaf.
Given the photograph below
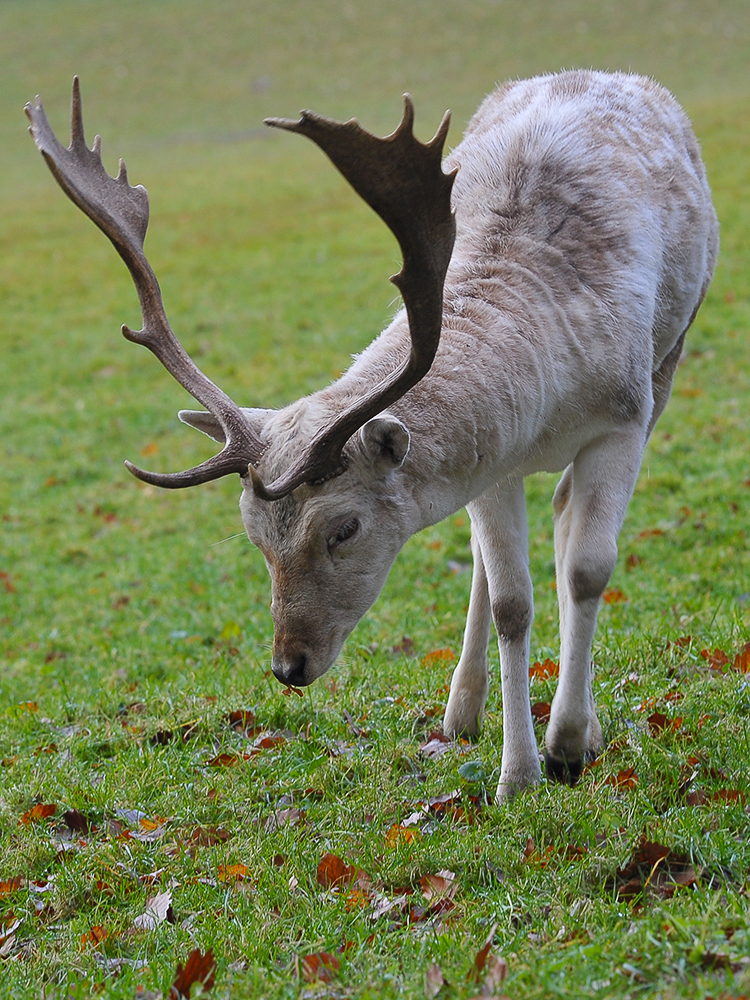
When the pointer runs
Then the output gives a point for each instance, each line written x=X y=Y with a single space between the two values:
x=436 y=745
x=284 y=817
x=442 y=885
x=156 y=912
x=38 y=812
x=438 y=656
x=541 y=671
x=199 y=968
x=290 y=689
x=398 y=834
x=319 y=967
x=659 y=723
x=333 y=871
x=480 y=959
x=540 y=711
x=12 y=885
x=626 y=779
x=96 y=936
x=434 y=981
x=613 y=596
x=227 y=759
x=77 y=821
x=208 y=836
x=243 y=721
x=232 y=873
x=716 y=660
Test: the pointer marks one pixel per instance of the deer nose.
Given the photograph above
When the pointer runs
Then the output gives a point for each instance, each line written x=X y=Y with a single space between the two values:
x=290 y=669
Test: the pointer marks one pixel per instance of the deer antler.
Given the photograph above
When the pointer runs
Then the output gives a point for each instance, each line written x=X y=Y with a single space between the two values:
x=398 y=176
x=121 y=212
x=403 y=181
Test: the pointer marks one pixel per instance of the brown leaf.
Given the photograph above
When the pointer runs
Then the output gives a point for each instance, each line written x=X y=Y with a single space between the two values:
x=77 y=821
x=290 y=689
x=438 y=656
x=716 y=660
x=97 y=935
x=660 y=723
x=613 y=596
x=225 y=760
x=540 y=711
x=654 y=865
x=626 y=779
x=442 y=885
x=434 y=981
x=334 y=871
x=199 y=968
x=232 y=873
x=208 y=836
x=12 y=885
x=319 y=967
x=40 y=811
x=436 y=745
x=480 y=960
x=541 y=671
x=243 y=721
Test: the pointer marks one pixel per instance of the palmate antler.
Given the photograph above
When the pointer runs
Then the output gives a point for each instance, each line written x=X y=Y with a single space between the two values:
x=121 y=212
x=399 y=177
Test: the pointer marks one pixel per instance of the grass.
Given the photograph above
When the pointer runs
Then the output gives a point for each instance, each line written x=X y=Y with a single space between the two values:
x=135 y=622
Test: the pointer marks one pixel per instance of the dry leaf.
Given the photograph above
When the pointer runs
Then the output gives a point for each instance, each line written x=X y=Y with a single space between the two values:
x=626 y=779
x=39 y=812
x=156 y=912
x=442 y=885
x=434 y=981
x=613 y=596
x=333 y=871
x=540 y=711
x=232 y=873
x=284 y=817
x=11 y=885
x=319 y=967
x=544 y=670
x=96 y=936
x=438 y=656
x=660 y=723
x=398 y=834
x=199 y=968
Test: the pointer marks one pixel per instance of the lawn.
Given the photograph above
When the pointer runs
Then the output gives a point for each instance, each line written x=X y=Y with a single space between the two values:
x=160 y=794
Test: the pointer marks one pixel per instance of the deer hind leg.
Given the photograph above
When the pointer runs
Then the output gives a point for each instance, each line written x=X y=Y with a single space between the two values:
x=498 y=519
x=470 y=683
x=590 y=504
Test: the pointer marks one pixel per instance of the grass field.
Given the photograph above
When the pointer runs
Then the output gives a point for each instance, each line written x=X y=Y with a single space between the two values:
x=158 y=793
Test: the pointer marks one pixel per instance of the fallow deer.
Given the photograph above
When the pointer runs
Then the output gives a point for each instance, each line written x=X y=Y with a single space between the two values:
x=547 y=293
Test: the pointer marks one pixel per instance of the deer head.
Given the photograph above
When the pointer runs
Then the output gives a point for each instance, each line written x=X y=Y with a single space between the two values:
x=319 y=478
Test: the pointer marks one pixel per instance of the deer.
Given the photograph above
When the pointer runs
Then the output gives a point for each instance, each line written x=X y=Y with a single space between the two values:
x=552 y=265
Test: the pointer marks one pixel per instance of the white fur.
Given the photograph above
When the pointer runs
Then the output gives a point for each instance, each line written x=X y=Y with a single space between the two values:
x=586 y=240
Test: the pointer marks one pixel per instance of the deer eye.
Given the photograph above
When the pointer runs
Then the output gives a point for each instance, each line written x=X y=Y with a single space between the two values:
x=343 y=532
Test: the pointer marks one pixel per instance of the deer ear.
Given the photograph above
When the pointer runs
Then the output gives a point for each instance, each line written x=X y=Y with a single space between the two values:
x=206 y=422
x=386 y=441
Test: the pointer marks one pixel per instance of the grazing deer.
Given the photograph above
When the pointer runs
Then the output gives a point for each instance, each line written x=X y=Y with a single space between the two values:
x=541 y=329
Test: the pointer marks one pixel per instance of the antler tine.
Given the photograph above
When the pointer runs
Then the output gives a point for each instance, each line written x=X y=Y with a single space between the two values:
x=403 y=181
x=122 y=212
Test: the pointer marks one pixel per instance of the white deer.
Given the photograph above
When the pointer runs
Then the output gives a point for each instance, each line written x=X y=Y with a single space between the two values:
x=546 y=339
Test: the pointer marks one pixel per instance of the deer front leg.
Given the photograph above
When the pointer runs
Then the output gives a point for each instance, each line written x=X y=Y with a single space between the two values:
x=499 y=525
x=590 y=504
x=470 y=683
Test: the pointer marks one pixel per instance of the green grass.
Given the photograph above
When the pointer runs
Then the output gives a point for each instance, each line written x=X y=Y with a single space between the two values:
x=128 y=613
